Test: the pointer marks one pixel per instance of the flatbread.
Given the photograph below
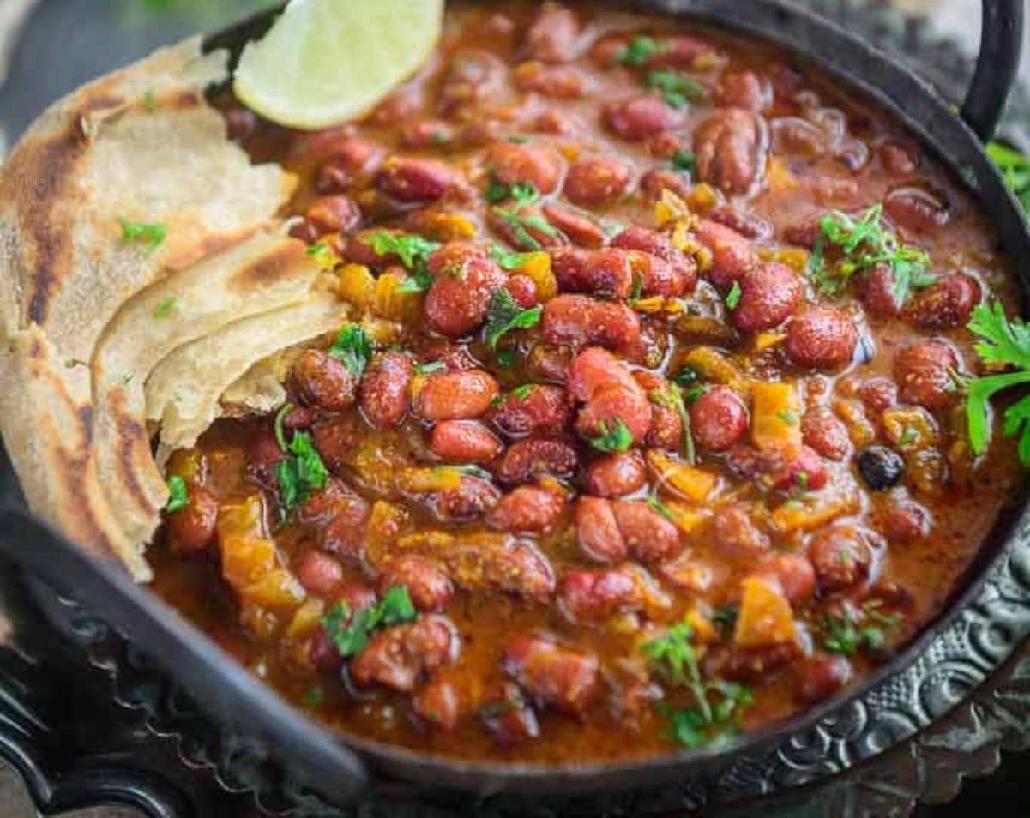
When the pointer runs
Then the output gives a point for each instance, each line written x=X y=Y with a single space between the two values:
x=84 y=306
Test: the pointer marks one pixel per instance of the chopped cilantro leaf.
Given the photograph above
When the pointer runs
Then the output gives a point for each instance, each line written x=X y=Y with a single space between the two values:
x=353 y=347
x=788 y=417
x=687 y=376
x=495 y=192
x=848 y=632
x=430 y=367
x=301 y=472
x=165 y=308
x=864 y=244
x=178 y=497
x=323 y=255
x=522 y=392
x=1004 y=342
x=613 y=437
x=506 y=259
x=661 y=508
x=695 y=392
x=412 y=250
x=684 y=160
x=419 y=281
x=521 y=222
x=733 y=296
x=350 y=632
x=638 y=51
x=506 y=315
x=676 y=89
x=507 y=358
x=150 y=235
x=1015 y=168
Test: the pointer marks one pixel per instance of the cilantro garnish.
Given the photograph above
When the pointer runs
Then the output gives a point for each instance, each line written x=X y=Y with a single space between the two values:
x=165 y=307
x=687 y=376
x=717 y=704
x=506 y=259
x=495 y=192
x=302 y=470
x=430 y=367
x=350 y=633
x=150 y=235
x=671 y=398
x=788 y=417
x=661 y=508
x=521 y=223
x=522 y=392
x=684 y=160
x=323 y=255
x=1004 y=342
x=412 y=250
x=507 y=358
x=733 y=296
x=506 y=315
x=353 y=347
x=1015 y=168
x=695 y=392
x=178 y=496
x=613 y=437
x=638 y=51
x=864 y=244
x=847 y=633
x=676 y=89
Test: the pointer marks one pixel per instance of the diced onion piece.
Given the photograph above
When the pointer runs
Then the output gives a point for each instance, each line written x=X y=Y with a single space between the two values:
x=681 y=478
x=245 y=518
x=245 y=560
x=800 y=515
x=775 y=416
x=276 y=589
x=306 y=618
x=765 y=617
x=356 y=285
x=537 y=266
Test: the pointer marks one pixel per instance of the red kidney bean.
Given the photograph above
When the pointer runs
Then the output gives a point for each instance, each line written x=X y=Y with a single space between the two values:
x=805 y=233
x=945 y=304
x=427 y=582
x=878 y=394
x=527 y=509
x=263 y=452
x=416 y=181
x=598 y=531
x=732 y=258
x=666 y=145
x=473 y=77
x=466 y=441
x=338 y=513
x=744 y=89
x=650 y=537
x=457 y=304
x=473 y=498
x=359 y=250
x=718 y=419
x=533 y=232
x=535 y=457
x=768 y=295
x=656 y=180
x=323 y=382
x=878 y=293
x=596 y=180
x=555 y=81
x=905 y=521
x=542 y=408
x=735 y=531
x=745 y=222
x=193 y=527
x=510 y=567
x=825 y=433
x=453 y=356
x=523 y=289
x=300 y=417
x=454 y=258
x=549 y=363
x=322 y=653
x=841 y=557
x=334 y=214
x=923 y=371
x=608 y=406
x=402 y=656
x=595 y=369
x=438 y=704
x=587 y=596
x=319 y=573
x=556 y=123
x=513 y=163
x=509 y=720
x=819 y=677
x=679 y=51
x=821 y=338
x=553 y=675
x=576 y=228
x=384 y=389
x=898 y=160
x=917 y=210
x=578 y=320
x=729 y=148
x=457 y=395
x=804 y=471
x=552 y=35
x=615 y=475
x=794 y=573
x=601 y=272
x=640 y=117
x=749 y=665
x=648 y=241
x=793 y=135
x=335 y=437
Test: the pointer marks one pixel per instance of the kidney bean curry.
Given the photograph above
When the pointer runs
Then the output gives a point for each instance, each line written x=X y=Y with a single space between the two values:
x=655 y=418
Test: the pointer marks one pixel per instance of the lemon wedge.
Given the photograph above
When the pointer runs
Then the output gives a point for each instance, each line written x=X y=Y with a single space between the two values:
x=326 y=61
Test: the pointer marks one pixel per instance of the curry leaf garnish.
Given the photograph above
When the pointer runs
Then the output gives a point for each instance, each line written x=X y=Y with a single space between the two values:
x=863 y=244
x=733 y=296
x=178 y=497
x=1015 y=168
x=350 y=632
x=717 y=704
x=612 y=437
x=165 y=308
x=1005 y=342
x=638 y=51
x=353 y=347
x=506 y=315
x=676 y=89
x=149 y=235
